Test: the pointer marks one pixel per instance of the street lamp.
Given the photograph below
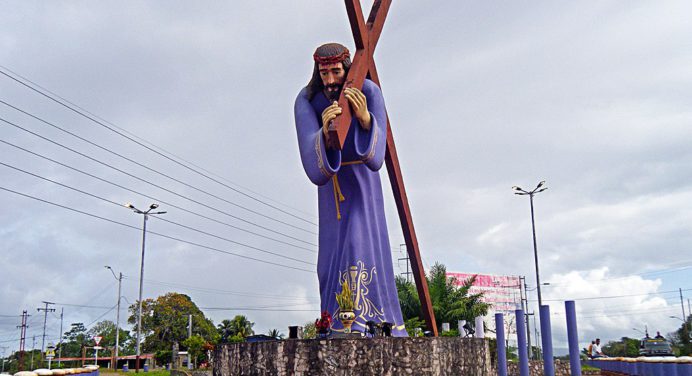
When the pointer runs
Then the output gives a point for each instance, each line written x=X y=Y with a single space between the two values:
x=518 y=191
x=117 y=315
x=145 y=215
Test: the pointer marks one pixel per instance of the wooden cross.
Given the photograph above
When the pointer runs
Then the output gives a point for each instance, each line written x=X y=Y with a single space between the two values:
x=366 y=36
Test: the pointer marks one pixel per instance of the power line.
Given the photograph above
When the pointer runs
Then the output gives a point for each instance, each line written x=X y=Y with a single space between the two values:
x=144 y=146
x=660 y=271
x=150 y=183
x=175 y=223
x=98 y=318
x=614 y=296
x=81 y=305
x=233 y=241
x=149 y=168
x=155 y=233
x=257 y=309
x=153 y=198
x=223 y=292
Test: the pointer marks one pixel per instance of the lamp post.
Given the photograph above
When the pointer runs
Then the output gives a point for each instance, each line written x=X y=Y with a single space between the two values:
x=119 y=278
x=518 y=191
x=145 y=215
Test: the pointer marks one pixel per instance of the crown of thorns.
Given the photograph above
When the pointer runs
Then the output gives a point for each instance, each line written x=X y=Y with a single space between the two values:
x=331 y=59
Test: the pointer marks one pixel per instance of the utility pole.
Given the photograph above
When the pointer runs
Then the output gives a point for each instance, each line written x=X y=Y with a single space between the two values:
x=189 y=335
x=62 y=311
x=682 y=305
x=45 y=320
x=33 y=346
x=538 y=337
x=117 y=316
x=3 y=348
x=525 y=298
x=22 y=340
x=408 y=272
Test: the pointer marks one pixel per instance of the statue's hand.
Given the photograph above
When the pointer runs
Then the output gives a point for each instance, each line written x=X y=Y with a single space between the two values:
x=330 y=113
x=360 y=106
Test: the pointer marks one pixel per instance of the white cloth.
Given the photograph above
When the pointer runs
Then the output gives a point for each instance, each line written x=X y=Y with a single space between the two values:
x=596 y=349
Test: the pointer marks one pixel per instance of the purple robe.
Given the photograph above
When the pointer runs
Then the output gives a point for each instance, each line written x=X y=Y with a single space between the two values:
x=353 y=241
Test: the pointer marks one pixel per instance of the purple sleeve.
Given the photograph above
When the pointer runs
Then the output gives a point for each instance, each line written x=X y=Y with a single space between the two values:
x=371 y=145
x=319 y=163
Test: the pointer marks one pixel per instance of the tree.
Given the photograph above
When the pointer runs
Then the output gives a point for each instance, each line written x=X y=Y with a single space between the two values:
x=106 y=329
x=309 y=330
x=681 y=339
x=276 y=334
x=165 y=321
x=75 y=339
x=628 y=347
x=450 y=303
x=241 y=326
x=195 y=346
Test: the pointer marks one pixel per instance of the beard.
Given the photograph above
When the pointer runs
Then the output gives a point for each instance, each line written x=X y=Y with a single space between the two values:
x=332 y=92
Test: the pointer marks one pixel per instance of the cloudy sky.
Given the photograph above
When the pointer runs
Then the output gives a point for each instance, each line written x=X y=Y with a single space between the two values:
x=592 y=97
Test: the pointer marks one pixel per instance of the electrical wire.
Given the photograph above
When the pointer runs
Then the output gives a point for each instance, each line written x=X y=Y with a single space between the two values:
x=99 y=318
x=223 y=292
x=257 y=309
x=152 y=197
x=149 y=168
x=659 y=271
x=148 y=148
x=155 y=233
x=611 y=297
x=150 y=183
x=165 y=220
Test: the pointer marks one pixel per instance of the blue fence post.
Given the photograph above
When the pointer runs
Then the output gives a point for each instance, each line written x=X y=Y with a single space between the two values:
x=521 y=344
x=572 y=338
x=501 y=350
x=547 y=341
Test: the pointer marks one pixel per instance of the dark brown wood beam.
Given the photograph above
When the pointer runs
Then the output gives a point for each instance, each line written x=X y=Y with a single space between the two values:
x=366 y=37
x=406 y=219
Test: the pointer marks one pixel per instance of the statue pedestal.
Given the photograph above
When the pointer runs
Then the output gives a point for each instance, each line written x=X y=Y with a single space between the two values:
x=352 y=335
x=355 y=356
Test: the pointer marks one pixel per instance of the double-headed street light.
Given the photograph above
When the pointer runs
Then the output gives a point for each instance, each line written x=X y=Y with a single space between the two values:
x=119 y=278
x=146 y=215
x=518 y=191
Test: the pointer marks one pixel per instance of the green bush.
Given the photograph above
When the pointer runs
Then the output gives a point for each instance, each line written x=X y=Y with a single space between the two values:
x=451 y=333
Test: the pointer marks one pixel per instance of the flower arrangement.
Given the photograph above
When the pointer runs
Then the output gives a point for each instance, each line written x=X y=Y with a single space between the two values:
x=344 y=299
x=324 y=323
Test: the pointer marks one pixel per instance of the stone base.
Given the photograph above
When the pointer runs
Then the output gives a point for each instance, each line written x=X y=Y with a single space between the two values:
x=352 y=335
x=367 y=356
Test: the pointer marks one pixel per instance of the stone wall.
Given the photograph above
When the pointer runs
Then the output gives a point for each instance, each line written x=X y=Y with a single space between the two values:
x=536 y=369
x=379 y=356
x=181 y=372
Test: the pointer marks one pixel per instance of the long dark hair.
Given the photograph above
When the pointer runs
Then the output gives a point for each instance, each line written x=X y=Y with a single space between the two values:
x=326 y=50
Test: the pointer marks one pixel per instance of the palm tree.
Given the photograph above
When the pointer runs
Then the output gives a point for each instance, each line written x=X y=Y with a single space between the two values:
x=225 y=329
x=276 y=334
x=450 y=303
x=241 y=326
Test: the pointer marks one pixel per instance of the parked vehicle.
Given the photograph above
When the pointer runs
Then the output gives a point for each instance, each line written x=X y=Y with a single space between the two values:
x=655 y=347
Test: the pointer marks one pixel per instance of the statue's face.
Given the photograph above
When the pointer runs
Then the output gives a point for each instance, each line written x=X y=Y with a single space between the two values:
x=333 y=76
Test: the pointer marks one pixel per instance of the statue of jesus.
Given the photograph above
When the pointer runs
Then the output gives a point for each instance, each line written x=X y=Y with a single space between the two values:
x=353 y=241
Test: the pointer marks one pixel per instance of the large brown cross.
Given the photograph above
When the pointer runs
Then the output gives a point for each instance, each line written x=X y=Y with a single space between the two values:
x=366 y=36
